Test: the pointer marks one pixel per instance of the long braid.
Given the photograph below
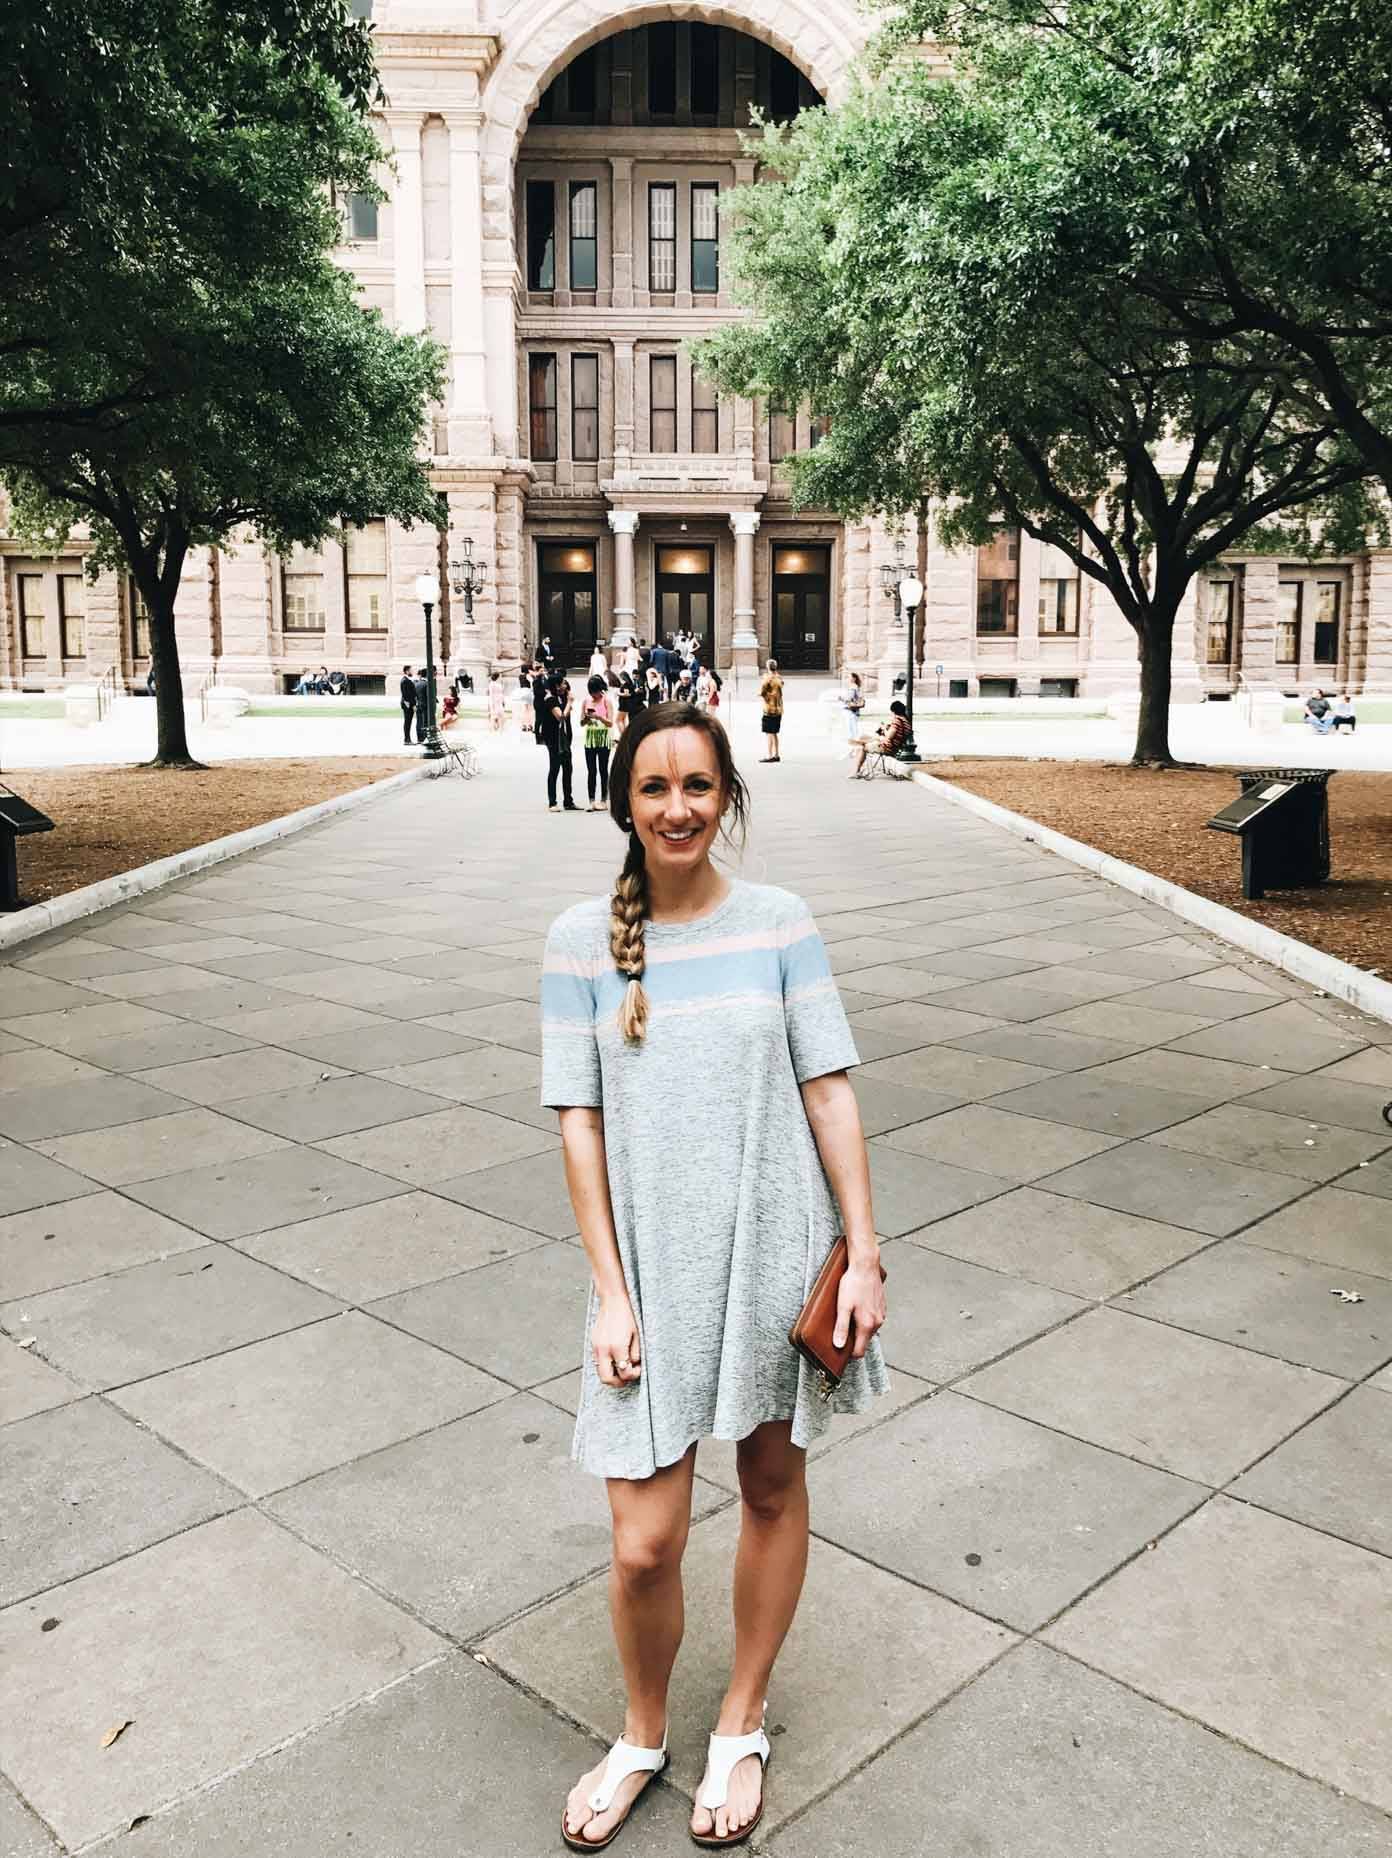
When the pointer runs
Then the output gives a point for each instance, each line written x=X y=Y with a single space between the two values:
x=627 y=909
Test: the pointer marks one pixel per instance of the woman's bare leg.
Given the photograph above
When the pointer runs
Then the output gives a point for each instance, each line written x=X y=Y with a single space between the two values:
x=769 y=1567
x=652 y=1517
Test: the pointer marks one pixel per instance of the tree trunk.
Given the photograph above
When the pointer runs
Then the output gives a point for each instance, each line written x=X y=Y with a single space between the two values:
x=1156 y=642
x=172 y=749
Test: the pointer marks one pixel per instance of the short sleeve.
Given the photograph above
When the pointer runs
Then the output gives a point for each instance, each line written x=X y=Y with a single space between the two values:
x=570 y=1073
x=819 y=1035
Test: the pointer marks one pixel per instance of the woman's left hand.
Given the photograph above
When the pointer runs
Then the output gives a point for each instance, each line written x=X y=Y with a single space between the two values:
x=860 y=1308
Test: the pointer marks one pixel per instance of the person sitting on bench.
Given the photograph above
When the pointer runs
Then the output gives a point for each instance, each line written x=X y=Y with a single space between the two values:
x=888 y=739
x=1343 y=713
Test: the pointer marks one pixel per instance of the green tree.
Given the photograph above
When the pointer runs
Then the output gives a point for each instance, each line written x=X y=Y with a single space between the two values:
x=149 y=146
x=302 y=409
x=891 y=264
x=1236 y=173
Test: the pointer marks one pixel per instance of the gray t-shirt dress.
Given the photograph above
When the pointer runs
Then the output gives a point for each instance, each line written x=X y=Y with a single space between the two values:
x=722 y=1209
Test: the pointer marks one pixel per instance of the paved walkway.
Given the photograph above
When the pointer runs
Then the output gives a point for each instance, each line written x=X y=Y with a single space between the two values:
x=293 y=1299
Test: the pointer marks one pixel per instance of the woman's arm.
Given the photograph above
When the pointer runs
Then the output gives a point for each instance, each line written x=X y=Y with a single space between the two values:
x=834 y=1116
x=614 y=1337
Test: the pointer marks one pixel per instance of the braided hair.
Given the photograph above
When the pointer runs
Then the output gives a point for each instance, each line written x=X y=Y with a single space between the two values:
x=629 y=904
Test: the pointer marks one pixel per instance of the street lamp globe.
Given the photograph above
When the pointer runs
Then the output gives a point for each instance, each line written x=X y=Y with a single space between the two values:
x=911 y=591
x=428 y=589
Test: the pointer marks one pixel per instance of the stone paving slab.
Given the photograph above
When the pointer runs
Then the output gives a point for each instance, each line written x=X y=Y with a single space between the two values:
x=1194 y=1625
x=332 y=1336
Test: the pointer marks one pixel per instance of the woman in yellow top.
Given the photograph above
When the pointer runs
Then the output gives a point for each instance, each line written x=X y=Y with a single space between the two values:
x=771 y=691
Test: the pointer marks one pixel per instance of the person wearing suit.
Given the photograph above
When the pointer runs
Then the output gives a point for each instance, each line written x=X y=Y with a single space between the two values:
x=408 y=703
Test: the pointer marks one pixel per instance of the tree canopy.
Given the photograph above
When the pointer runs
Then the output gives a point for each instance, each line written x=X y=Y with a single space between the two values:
x=900 y=264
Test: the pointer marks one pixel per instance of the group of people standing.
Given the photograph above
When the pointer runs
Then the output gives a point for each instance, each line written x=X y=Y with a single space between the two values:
x=646 y=675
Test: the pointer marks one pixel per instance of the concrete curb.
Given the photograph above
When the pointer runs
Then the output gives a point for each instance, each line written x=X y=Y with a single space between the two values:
x=1332 y=976
x=40 y=918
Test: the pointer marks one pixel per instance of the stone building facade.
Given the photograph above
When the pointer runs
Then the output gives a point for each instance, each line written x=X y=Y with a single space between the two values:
x=553 y=218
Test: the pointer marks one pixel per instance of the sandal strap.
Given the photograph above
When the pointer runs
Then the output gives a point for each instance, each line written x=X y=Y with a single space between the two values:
x=623 y=1759
x=724 y=1752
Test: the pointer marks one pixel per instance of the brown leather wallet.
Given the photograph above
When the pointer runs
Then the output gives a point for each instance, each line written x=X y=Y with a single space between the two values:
x=811 y=1335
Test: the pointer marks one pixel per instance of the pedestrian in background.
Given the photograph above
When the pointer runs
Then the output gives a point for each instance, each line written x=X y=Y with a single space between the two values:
x=422 y=689
x=771 y=695
x=554 y=725
x=408 y=702
x=496 y=706
x=596 y=722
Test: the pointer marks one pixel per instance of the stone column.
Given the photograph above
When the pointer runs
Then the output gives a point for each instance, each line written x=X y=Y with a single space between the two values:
x=469 y=428
x=1260 y=597
x=1027 y=617
x=745 y=642
x=408 y=220
x=621 y=229
x=1377 y=666
x=624 y=524
x=623 y=404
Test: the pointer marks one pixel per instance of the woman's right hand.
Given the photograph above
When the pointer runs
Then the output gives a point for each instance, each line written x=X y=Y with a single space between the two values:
x=614 y=1339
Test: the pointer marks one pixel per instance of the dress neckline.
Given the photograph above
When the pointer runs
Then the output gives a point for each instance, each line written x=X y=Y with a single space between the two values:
x=696 y=924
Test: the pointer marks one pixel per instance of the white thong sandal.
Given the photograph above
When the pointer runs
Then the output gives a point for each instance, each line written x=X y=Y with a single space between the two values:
x=724 y=1753
x=623 y=1759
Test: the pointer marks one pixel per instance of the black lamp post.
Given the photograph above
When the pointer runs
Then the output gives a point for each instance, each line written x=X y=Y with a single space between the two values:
x=428 y=593
x=910 y=595
x=467 y=577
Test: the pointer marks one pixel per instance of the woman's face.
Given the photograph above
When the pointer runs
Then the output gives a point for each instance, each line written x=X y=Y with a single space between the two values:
x=675 y=798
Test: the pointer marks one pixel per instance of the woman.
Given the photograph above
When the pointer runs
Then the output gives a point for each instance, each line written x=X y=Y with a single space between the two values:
x=553 y=724
x=596 y=720
x=496 y=701
x=689 y=988
x=852 y=703
x=599 y=664
x=771 y=693
x=888 y=739
x=654 y=690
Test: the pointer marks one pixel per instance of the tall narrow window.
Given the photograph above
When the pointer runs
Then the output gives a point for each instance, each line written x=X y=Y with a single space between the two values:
x=662 y=236
x=783 y=88
x=1220 y=622
x=580 y=85
x=584 y=407
x=705 y=236
x=705 y=72
x=139 y=620
x=1058 y=604
x=662 y=68
x=303 y=589
x=31 y=615
x=72 y=615
x=817 y=428
x=584 y=249
x=998 y=584
x=541 y=389
x=782 y=435
x=662 y=379
x=541 y=235
x=1288 y=614
x=362 y=218
x=1327 y=622
x=365 y=573
x=705 y=417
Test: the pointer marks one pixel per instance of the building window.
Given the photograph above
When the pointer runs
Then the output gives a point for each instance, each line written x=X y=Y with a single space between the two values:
x=998 y=585
x=662 y=69
x=662 y=383
x=584 y=407
x=541 y=235
x=705 y=417
x=72 y=615
x=361 y=9
x=784 y=88
x=662 y=235
x=362 y=219
x=1220 y=622
x=1327 y=622
x=140 y=620
x=31 y=615
x=818 y=426
x=1289 y=601
x=541 y=389
x=302 y=588
x=580 y=85
x=365 y=576
x=584 y=248
x=1058 y=605
x=705 y=236
x=782 y=435
x=705 y=72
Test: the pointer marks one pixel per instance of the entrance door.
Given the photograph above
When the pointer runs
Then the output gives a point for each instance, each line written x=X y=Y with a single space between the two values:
x=801 y=608
x=686 y=594
x=566 y=609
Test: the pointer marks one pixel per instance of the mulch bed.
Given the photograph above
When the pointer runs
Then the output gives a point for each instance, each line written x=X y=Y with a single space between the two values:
x=115 y=819
x=1155 y=819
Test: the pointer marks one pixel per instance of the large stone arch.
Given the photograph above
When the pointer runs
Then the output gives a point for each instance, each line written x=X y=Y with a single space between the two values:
x=821 y=37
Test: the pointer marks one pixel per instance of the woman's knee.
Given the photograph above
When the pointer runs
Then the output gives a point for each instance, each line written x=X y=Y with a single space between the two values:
x=772 y=1481
x=644 y=1556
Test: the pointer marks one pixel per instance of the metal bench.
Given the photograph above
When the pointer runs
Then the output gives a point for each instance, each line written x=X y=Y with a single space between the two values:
x=17 y=820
